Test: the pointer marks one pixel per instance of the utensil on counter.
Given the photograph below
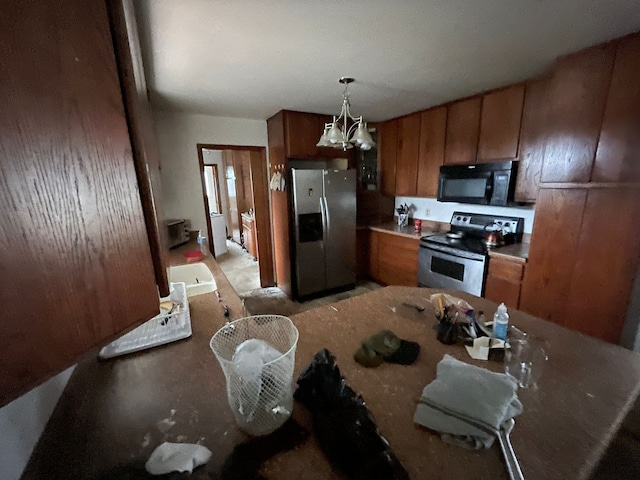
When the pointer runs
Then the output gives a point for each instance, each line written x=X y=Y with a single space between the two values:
x=510 y=459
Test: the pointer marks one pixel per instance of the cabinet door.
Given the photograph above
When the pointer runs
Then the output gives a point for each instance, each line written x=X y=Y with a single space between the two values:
x=387 y=142
x=146 y=155
x=504 y=280
x=500 y=124
x=302 y=132
x=75 y=259
x=407 y=158
x=577 y=96
x=463 y=125
x=617 y=157
x=373 y=255
x=433 y=125
x=553 y=253
x=363 y=251
x=606 y=264
x=398 y=260
x=533 y=136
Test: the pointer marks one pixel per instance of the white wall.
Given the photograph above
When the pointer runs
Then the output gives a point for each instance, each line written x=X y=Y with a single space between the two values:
x=22 y=423
x=178 y=134
x=442 y=211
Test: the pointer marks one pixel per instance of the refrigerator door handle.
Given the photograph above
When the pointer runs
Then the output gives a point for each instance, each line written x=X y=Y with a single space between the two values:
x=323 y=213
x=327 y=216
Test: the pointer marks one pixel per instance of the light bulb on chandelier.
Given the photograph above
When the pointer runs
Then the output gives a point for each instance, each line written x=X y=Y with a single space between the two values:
x=339 y=134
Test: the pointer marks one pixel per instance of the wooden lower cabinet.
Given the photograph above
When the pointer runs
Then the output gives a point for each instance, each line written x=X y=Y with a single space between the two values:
x=504 y=281
x=583 y=258
x=249 y=235
x=393 y=259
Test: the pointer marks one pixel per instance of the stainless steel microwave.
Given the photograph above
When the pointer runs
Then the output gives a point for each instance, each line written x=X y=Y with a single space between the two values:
x=480 y=183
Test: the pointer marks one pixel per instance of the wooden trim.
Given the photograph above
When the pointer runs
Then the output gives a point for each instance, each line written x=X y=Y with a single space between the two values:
x=207 y=213
x=216 y=146
x=591 y=185
x=263 y=224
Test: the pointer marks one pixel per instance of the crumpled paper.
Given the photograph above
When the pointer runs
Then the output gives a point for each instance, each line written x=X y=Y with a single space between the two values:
x=180 y=457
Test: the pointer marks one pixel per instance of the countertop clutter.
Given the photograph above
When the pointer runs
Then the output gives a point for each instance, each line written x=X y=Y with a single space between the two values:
x=517 y=252
x=114 y=413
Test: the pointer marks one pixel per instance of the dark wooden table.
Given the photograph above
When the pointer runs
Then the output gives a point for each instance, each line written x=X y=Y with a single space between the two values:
x=116 y=412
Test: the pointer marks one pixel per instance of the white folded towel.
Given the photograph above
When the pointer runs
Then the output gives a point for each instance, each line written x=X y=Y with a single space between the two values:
x=467 y=404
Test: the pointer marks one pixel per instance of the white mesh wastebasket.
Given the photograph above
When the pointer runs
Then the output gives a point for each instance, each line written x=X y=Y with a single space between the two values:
x=261 y=397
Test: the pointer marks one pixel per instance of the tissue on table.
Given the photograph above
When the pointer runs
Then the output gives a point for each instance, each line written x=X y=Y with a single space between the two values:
x=467 y=404
x=177 y=457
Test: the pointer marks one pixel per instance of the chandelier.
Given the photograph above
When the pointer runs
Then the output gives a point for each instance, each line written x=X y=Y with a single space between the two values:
x=346 y=131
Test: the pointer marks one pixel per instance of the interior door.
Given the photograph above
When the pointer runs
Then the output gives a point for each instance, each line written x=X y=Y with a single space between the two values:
x=340 y=234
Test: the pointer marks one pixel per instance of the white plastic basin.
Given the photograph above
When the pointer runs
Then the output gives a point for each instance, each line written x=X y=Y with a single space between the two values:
x=196 y=276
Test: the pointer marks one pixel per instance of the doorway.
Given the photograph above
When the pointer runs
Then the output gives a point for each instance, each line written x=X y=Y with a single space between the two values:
x=244 y=202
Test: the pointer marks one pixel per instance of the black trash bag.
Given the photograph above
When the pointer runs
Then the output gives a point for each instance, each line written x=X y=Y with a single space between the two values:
x=245 y=461
x=343 y=425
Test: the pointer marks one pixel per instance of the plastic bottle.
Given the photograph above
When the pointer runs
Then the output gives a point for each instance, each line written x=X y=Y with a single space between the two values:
x=501 y=322
x=202 y=243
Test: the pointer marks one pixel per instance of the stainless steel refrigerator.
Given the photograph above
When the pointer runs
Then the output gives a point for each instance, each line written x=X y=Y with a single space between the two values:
x=324 y=218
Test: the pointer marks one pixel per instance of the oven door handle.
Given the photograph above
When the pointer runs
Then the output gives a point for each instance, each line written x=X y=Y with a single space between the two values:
x=454 y=253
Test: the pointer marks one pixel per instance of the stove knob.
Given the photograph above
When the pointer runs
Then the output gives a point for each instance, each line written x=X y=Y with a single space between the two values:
x=458 y=218
x=506 y=224
x=499 y=222
x=464 y=219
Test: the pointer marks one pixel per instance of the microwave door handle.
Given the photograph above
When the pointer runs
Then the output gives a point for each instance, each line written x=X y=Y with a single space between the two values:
x=489 y=187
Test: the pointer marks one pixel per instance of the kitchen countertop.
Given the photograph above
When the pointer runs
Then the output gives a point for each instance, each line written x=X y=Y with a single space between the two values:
x=518 y=252
x=114 y=413
x=408 y=231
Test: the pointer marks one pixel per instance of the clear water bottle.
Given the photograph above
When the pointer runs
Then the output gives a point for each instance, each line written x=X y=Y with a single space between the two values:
x=202 y=243
x=501 y=322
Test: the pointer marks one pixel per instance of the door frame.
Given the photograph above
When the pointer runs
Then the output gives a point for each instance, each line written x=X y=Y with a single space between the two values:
x=262 y=215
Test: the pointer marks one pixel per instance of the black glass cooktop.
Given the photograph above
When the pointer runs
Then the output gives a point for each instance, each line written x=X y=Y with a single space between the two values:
x=467 y=243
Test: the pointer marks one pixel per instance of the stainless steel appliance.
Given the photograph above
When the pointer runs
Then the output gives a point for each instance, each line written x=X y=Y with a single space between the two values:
x=480 y=183
x=177 y=232
x=324 y=219
x=458 y=259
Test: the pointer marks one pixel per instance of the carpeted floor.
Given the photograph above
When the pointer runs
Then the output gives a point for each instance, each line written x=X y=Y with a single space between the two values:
x=242 y=272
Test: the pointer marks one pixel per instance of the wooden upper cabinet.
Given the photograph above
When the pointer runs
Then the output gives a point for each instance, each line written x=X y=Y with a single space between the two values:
x=463 y=125
x=500 y=124
x=76 y=265
x=146 y=154
x=618 y=153
x=433 y=125
x=533 y=135
x=576 y=99
x=387 y=149
x=407 y=157
x=302 y=132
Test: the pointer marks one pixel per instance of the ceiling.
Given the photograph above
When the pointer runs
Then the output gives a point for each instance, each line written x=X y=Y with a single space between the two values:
x=250 y=59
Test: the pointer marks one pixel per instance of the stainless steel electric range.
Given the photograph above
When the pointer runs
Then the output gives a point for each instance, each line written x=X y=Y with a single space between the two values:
x=458 y=259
